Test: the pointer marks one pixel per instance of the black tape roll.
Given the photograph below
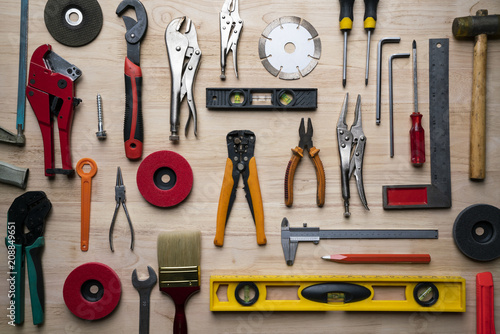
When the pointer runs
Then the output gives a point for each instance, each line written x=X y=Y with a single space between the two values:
x=83 y=30
x=477 y=232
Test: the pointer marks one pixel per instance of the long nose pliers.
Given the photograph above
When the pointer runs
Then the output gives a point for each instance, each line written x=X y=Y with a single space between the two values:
x=305 y=144
x=120 y=200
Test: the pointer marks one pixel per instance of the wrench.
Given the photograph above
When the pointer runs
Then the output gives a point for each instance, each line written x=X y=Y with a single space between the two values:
x=86 y=198
x=144 y=288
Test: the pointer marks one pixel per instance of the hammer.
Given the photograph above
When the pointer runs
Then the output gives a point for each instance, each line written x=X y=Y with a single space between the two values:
x=479 y=27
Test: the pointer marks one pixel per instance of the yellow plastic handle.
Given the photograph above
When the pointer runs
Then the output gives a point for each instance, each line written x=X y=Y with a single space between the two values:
x=225 y=195
x=258 y=208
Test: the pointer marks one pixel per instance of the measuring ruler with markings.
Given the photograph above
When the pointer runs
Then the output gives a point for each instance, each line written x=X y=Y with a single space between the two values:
x=337 y=293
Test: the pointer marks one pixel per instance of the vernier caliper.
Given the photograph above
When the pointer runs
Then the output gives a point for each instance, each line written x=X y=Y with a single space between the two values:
x=291 y=236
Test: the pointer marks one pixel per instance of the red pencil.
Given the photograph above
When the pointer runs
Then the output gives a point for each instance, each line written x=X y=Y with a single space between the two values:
x=378 y=258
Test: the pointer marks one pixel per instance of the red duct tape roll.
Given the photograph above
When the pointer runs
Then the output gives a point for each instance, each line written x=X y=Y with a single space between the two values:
x=92 y=291
x=165 y=178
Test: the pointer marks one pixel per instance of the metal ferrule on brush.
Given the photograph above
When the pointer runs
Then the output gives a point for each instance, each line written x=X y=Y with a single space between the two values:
x=172 y=277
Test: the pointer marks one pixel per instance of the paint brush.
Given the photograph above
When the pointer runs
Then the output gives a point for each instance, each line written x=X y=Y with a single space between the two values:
x=179 y=262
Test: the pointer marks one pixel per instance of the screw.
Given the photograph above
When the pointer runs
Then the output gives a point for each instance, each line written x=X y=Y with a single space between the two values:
x=101 y=134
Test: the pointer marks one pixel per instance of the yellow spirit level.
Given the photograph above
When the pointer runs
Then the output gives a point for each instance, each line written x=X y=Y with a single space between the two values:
x=337 y=293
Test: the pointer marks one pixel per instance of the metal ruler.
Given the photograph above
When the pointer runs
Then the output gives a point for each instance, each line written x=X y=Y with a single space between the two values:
x=291 y=236
x=438 y=193
x=337 y=293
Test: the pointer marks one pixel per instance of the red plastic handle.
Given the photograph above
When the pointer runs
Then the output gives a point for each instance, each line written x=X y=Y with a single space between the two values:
x=417 y=140
x=133 y=132
x=485 y=318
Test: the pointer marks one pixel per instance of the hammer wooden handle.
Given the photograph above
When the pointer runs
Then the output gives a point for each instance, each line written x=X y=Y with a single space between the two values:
x=477 y=162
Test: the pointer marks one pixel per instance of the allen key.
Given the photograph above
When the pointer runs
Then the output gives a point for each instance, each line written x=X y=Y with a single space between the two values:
x=379 y=70
x=391 y=100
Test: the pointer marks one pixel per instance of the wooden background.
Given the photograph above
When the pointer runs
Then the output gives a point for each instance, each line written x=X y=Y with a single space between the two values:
x=102 y=65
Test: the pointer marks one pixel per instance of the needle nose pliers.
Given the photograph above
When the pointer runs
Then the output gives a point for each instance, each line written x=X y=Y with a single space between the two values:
x=351 y=150
x=120 y=200
x=305 y=144
x=27 y=211
x=240 y=161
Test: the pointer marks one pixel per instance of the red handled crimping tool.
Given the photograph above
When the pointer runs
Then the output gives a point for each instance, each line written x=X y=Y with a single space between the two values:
x=51 y=91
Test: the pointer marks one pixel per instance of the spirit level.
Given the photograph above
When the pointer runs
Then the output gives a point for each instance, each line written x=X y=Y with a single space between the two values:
x=337 y=293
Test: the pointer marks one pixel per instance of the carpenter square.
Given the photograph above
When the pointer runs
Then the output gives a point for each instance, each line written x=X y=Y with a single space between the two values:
x=438 y=193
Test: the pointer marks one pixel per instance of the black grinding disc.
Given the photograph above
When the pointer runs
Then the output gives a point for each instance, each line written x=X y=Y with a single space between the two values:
x=477 y=232
x=83 y=29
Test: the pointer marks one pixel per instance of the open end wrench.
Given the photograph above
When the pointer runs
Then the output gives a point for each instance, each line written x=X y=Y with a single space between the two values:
x=86 y=196
x=144 y=288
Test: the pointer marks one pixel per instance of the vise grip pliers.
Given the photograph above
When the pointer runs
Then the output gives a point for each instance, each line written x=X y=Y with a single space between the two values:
x=184 y=56
x=133 y=130
x=351 y=150
x=51 y=92
x=240 y=162
x=230 y=24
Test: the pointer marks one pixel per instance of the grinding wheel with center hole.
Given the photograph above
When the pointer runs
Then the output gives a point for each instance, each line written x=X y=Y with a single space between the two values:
x=73 y=22
x=289 y=47
x=165 y=178
x=477 y=232
x=92 y=291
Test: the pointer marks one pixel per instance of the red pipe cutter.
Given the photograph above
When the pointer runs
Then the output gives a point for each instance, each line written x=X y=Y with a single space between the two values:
x=51 y=92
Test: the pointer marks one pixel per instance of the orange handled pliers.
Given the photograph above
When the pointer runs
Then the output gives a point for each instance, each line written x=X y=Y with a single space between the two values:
x=305 y=144
x=240 y=161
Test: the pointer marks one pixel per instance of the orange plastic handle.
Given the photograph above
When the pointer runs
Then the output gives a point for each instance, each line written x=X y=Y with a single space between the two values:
x=258 y=207
x=290 y=174
x=320 y=176
x=86 y=195
x=225 y=195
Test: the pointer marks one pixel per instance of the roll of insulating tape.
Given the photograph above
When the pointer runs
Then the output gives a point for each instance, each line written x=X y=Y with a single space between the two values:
x=165 y=178
x=92 y=291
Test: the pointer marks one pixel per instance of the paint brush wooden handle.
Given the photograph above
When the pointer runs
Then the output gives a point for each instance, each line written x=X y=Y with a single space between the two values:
x=378 y=258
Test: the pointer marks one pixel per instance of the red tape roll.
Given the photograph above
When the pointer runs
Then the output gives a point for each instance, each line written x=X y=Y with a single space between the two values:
x=165 y=178
x=92 y=291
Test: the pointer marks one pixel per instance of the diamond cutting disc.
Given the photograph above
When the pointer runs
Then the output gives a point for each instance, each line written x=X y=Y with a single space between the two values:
x=289 y=47
x=73 y=22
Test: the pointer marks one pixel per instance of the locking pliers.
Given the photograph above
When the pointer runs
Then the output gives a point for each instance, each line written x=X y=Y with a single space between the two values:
x=351 y=150
x=184 y=56
x=230 y=24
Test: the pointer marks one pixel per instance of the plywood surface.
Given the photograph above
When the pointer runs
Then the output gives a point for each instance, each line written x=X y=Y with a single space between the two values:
x=102 y=65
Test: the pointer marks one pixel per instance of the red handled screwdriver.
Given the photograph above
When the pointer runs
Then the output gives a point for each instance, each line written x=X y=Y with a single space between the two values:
x=417 y=134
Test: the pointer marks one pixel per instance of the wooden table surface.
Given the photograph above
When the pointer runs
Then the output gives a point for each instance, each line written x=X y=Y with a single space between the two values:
x=102 y=65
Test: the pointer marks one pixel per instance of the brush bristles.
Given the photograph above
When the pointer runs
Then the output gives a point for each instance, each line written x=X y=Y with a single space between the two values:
x=179 y=257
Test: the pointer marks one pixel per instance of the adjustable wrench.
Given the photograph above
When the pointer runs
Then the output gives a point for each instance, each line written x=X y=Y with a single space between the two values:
x=144 y=288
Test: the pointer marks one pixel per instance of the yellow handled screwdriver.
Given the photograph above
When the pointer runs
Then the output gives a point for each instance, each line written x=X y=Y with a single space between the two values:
x=370 y=20
x=346 y=17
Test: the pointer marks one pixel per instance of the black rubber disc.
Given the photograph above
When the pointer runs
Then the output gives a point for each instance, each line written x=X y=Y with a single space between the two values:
x=477 y=232
x=73 y=22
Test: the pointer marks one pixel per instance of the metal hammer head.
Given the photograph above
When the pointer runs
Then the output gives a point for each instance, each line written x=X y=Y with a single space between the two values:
x=482 y=23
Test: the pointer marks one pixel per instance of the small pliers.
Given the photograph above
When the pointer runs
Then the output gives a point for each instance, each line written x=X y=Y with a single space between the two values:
x=240 y=162
x=305 y=144
x=230 y=24
x=133 y=131
x=351 y=150
x=120 y=200
x=184 y=56
x=28 y=211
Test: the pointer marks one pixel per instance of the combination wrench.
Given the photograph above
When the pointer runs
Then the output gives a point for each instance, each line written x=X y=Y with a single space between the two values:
x=144 y=288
